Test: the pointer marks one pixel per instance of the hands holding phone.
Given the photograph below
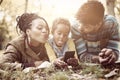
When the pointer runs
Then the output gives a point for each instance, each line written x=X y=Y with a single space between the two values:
x=72 y=62
x=60 y=64
x=67 y=59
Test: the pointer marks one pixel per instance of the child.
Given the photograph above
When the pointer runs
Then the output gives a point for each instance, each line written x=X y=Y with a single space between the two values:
x=60 y=43
x=96 y=35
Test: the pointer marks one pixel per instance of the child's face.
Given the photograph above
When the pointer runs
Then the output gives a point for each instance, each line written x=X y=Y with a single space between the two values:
x=60 y=34
x=87 y=28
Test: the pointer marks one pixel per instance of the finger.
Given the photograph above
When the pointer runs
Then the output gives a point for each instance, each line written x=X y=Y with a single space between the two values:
x=107 y=59
x=62 y=62
x=108 y=52
x=100 y=59
x=112 y=59
x=103 y=60
x=59 y=61
x=104 y=50
x=101 y=54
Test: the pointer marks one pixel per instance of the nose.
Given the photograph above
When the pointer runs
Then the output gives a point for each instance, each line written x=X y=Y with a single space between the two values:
x=61 y=36
x=44 y=30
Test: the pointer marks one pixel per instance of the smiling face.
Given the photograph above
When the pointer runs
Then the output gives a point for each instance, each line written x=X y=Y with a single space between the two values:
x=87 y=28
x=60 y=34
x=91 y=15
x=39 y=31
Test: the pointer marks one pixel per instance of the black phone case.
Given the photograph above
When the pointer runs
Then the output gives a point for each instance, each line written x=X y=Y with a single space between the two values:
x=68 y=54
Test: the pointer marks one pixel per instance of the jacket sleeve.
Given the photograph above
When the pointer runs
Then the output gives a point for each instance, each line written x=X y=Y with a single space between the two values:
x=11 y=59
x=76 y=35
x=113 y=42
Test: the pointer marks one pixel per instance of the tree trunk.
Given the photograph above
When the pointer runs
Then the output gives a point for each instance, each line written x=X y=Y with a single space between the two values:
x=1 y=2
x=26 y=5
x=110 y=7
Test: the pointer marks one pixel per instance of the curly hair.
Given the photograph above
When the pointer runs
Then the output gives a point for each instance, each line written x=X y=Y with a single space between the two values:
x=91 y=12
x=59 y=21
x=24 y=21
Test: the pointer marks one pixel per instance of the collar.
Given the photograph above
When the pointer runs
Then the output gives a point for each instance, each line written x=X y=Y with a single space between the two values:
x=30 y=52
x=64 y=48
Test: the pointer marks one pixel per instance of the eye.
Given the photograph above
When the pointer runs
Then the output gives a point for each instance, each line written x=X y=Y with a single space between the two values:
x=59 y=33
x=39 y=27
x=65 y=34
x=86 y=26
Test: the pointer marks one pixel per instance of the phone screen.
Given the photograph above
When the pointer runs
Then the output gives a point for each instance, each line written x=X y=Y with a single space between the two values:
x=68 y=54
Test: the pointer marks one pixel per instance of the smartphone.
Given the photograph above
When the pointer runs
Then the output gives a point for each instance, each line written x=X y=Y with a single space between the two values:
x=68 y=54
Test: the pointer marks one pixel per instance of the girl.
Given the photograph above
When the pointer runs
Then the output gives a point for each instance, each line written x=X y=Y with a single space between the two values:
x=60 y=43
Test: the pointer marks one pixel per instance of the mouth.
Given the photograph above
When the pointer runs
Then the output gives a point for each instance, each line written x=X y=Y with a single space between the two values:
x=45 y=36
x=60 y=42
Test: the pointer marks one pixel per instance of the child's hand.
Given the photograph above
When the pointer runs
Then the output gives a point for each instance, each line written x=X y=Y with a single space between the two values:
x=60 y=64
x=107 y=56
x=73 y=62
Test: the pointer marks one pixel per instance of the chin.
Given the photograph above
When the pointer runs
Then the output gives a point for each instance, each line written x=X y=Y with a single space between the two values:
x=59 y=45
x=42 y=41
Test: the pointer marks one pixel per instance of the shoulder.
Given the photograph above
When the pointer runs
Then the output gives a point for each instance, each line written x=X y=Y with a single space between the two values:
x=19 y=41
x=109 y=19
x=70 y=41
x=74 y=23
x=75 y=26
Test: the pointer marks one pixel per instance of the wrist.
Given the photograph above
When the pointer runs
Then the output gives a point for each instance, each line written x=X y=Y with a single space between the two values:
x=95 y=59
x=116 y=53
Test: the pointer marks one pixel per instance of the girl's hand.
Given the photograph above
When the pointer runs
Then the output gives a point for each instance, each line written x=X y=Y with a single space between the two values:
x=73 y=62
x=60 y=64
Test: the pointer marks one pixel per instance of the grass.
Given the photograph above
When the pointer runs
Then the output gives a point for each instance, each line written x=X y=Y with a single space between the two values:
x=51 y=73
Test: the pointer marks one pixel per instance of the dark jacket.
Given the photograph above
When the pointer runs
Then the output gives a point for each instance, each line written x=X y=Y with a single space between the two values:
x=18 y=54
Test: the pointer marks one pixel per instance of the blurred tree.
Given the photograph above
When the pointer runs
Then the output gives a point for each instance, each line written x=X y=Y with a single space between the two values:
x=92 y=0
x=7 y=19
x=110 y=7
x=1 y=1
x=118 y=6
x=26 y=5
x=3 y=32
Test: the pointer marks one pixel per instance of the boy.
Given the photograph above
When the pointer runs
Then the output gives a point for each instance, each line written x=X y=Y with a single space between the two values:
x=96 y=36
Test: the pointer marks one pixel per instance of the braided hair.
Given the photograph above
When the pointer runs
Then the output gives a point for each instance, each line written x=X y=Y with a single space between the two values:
x=24 y=21
x=92 y=12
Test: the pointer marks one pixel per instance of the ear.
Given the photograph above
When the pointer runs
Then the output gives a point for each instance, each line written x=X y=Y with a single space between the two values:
x=27 y=31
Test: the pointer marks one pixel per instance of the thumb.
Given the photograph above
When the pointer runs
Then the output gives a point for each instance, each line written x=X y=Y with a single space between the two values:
x=101 y=54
